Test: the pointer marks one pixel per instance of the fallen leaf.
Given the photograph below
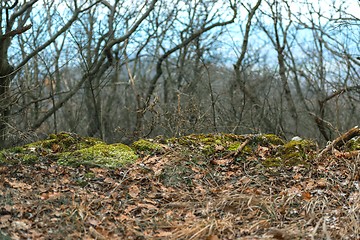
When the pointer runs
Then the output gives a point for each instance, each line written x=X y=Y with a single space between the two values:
x=55 y=148
x=306 y=196
x=280 y=234
x=321 y=183
x=21 y=185
x=147 y=206
x=96 y=234
x=221 y=162
x=219 y=148
x=297 y=176
x=21 y=225
x=163 y=233
x=134 y=191
x=130 y=208
x=212 y=237
x=93 y=221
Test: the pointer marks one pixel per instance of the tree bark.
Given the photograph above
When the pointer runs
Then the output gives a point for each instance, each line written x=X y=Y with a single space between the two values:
x=6 y=71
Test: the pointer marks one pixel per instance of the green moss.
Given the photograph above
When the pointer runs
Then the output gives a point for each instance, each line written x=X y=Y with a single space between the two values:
x=270 y=139
x=89 y=175
x=147 y=146
x=28 y=159
x=70 y=149
x=13 y=156
x=272 y=162
x=234 y=146
x=353 y=144
x=208 y=144
x=64 y=142
x=297 y=152
x=17 y=149
x=7 y=155
x=301 y=145
x=220 y=144
x=111 y=156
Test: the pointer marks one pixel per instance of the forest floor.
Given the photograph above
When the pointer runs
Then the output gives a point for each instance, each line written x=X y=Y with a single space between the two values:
x=180 y=192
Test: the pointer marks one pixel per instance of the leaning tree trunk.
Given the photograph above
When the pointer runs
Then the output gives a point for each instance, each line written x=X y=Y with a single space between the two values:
x=6 y=71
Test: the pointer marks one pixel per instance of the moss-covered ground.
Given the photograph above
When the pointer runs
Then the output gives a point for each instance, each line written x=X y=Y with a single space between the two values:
x=200 y=186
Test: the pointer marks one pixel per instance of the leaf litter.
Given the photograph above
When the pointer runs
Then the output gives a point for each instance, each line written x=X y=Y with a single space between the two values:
x=184 y=193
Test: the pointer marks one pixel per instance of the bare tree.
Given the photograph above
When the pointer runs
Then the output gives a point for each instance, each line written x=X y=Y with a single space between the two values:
x=15 y=22
x=331 y=64
x=239 y=65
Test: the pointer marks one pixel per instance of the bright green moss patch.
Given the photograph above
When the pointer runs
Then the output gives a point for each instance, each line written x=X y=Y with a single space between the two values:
x=270 y=139
x=267 y=150
x=297 y=152
x=64 y=142
x=209 y=144
x=111 y=156
x=272 y=162
x=70 y=149
x=147 y=146
x=353 y=144
x=220 y=144
x=234 y=146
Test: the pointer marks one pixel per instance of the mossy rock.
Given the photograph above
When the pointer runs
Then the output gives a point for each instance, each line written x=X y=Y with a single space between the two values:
x=70 y=149
x=64 y=142
x=353 y=144
x=209 y=144
x=269 y=139
x=298 y=152
x=148 y=146
x=299 y=145
x=272 y=162
x=235 y=145
x=103 y=155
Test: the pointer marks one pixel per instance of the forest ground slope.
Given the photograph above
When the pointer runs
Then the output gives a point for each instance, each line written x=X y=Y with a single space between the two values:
x=213 y=186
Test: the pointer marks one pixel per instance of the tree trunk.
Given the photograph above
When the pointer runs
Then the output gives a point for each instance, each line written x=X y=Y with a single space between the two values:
x=5 y=77
x=286 y=88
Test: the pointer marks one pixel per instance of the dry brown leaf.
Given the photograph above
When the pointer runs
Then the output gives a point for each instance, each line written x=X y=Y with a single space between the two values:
x=212 y=237
x=297 y=176
x=147 y=206
x=280 y=234
x=221 y=161
x=134 y=191
x=219 y=148
x=55 y=148
x=21 y=224
x=162 y=233
x=321 y=183
x=306 y=196
x=21 y=185
x=97 y=235
x=130 y=208
x=93 y=221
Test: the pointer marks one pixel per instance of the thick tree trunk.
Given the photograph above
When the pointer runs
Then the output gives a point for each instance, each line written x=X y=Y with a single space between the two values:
x=5 y=76
x=286 y=87
x=93 y=105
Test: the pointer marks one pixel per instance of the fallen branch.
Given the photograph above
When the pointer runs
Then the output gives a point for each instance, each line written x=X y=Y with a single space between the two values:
x=239 y=149
x=340 y=141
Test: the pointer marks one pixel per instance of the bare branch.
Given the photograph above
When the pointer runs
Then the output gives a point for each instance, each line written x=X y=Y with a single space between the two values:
x=179 y=46
x=17 y=31
x=246 y=37
x=54 y=37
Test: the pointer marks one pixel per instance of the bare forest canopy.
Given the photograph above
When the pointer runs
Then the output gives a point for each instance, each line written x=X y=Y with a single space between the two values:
x=120 y=70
